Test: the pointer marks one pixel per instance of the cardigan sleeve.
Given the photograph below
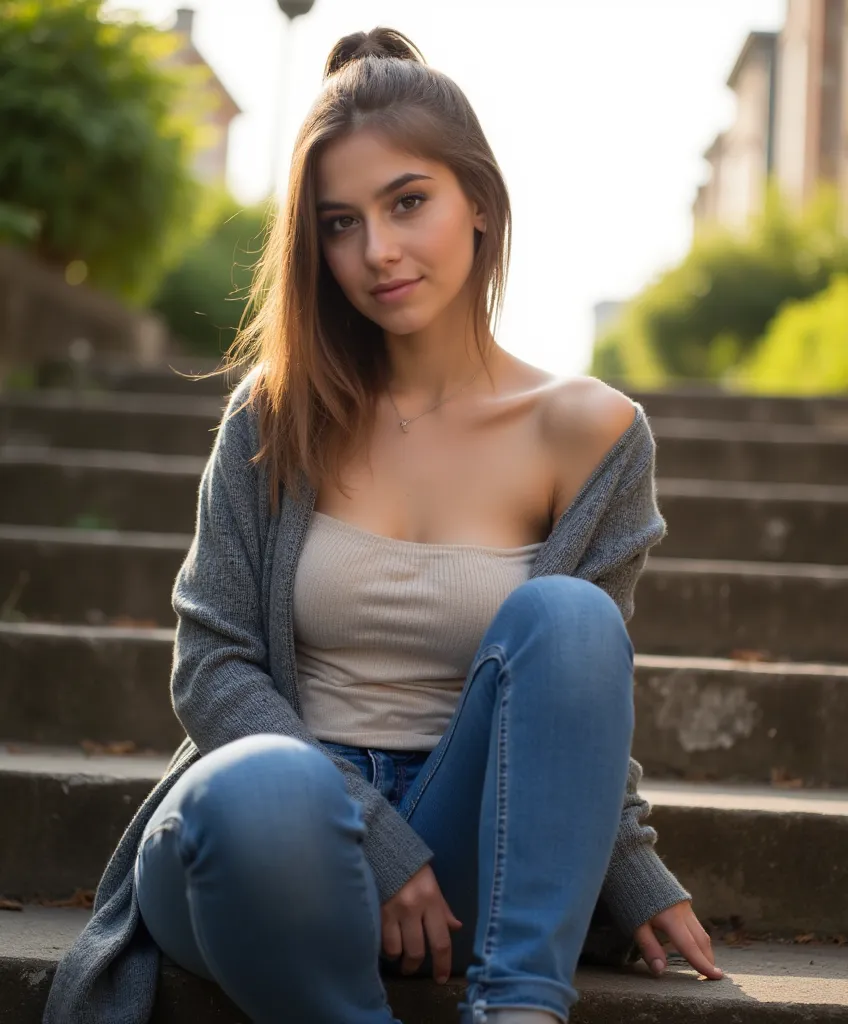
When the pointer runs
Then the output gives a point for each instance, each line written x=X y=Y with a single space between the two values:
x=221 y=683
x=638 y=885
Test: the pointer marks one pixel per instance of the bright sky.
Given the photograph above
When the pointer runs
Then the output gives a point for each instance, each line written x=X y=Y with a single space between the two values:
x=598 y=112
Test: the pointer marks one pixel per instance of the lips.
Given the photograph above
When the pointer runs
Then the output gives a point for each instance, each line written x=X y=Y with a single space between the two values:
x=391 y=286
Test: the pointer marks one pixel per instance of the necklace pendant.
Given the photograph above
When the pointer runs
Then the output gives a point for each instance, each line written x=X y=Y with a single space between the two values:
x=404 y=427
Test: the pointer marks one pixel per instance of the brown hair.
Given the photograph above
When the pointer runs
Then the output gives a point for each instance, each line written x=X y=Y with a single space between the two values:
x=324 y=363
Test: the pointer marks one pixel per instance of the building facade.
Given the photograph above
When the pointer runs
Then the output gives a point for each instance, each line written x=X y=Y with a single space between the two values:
x=791 y=117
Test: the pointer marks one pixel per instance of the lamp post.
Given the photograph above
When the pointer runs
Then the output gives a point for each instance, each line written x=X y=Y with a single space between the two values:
x=291 y=9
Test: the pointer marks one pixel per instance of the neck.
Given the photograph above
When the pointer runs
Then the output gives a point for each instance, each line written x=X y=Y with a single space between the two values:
x=427 y=366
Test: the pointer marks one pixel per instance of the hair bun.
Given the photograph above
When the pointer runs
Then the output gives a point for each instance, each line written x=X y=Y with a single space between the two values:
x=379 y=42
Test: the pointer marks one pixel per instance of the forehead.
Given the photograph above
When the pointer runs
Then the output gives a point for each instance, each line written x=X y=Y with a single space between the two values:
x=358 y=164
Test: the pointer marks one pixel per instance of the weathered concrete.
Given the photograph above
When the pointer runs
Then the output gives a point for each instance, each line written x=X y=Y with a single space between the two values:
x=741 y=721
x=686 y=448
x=695 y=718
x=162 y=424
x=56 y=796
x=683 y=606
x=718 y=609
x=150 y=492
x=826 y=411
x=770 y=453
x=764 y=983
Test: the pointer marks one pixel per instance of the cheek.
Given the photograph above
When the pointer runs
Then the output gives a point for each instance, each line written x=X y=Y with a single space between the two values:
x=448 y=245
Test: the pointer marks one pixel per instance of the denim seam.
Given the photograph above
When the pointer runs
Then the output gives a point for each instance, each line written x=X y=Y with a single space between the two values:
x=165 y=825
x=378 y=775
x=501 y=813
x=491 y=652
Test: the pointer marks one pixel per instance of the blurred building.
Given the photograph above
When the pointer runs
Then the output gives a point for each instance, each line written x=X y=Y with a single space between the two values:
x=791 y=116
x=605 y=314
x=211 y=161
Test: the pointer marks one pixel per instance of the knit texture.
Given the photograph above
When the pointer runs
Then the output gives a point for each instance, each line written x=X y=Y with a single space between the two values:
x=234 y=674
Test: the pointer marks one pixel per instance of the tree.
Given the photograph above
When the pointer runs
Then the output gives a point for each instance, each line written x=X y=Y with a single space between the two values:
x=805 y=350
x=705 y=316
x=202 y=300
x=97 y=143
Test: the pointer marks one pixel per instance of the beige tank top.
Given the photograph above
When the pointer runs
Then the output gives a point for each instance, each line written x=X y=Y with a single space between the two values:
x=386 y=630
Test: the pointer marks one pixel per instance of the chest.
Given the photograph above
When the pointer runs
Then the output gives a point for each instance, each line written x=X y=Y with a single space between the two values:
x=482 y=479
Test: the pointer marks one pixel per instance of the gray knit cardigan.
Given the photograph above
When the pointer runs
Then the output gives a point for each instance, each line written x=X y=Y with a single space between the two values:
x=234 y=674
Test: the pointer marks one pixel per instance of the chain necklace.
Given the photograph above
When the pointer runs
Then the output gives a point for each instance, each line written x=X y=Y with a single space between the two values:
x=404 y=424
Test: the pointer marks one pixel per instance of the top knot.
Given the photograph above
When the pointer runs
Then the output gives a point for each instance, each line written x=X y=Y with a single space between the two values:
x=379 y=42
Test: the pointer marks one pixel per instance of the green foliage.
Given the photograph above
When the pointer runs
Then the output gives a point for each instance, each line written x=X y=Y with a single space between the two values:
x=805 y=350
x=202 y=300
x=96 y=143
x=704 y=317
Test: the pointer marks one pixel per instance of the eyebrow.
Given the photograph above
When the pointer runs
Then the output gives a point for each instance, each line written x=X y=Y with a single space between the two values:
x=330 y=204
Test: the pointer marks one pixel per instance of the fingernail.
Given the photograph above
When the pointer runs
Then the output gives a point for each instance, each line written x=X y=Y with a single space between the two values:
x=441 y=980
x=657 y=966
x=719 y=972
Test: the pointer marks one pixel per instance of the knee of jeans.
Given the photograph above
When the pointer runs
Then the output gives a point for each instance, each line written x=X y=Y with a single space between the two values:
x=266 y=784
x=556 y=600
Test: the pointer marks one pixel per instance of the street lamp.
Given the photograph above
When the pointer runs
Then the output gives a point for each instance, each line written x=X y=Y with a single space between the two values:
x=292 y=9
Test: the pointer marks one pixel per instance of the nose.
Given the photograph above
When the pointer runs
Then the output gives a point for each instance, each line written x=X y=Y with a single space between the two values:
x=381 y=246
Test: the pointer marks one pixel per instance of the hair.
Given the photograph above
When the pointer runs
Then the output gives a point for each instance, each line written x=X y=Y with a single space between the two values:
x=323 y=363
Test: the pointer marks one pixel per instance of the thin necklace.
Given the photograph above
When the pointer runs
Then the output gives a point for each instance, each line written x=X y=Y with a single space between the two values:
x=404 y=424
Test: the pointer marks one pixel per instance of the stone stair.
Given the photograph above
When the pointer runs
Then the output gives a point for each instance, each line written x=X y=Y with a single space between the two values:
x=741 y=685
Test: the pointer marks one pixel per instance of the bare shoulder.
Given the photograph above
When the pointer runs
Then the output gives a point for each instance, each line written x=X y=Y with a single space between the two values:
x=582 y=418
x=586 y=410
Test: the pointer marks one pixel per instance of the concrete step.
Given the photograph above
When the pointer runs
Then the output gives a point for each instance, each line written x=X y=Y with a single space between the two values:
x=687 y=448
x=695 y=718
x=111 y=421
x=150 y=492
x=117 y=373
x=827 y=411
x=781 y=880
x=791 y=612
x=765 y=983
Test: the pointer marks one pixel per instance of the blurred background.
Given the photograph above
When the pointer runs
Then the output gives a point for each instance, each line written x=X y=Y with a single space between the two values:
x=678 y=172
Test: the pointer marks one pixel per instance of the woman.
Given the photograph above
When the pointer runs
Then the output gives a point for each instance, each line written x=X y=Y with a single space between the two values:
x=401 y=657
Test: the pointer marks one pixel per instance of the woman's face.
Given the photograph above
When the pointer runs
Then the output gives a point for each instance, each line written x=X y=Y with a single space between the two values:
x=376 y=228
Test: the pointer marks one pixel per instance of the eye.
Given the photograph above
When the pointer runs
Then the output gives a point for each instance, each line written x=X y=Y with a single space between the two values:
x=417 y=196
x=328 y=226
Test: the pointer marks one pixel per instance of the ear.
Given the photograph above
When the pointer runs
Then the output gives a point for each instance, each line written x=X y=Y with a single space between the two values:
x=479 y=219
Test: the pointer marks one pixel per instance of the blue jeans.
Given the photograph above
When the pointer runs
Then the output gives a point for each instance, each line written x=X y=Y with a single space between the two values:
x=251 y=871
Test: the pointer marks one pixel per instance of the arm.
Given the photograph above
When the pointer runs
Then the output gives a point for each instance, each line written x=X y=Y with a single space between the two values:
x=221 y=686
x=637 y=885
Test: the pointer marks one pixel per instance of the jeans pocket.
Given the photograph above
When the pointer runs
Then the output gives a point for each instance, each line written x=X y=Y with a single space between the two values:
x=358 y=756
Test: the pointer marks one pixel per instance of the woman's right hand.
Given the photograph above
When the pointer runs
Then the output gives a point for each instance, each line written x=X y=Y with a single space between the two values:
x=417 y=908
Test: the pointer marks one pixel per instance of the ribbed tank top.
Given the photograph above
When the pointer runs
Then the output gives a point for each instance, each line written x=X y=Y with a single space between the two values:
x=386 y=630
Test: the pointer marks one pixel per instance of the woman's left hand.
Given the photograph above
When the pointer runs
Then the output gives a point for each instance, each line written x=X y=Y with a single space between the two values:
x=689 y=938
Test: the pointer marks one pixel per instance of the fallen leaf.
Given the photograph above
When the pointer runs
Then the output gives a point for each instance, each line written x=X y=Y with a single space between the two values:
x=804 y=939
x=11 y=905
x=745 y=654
x=782 y=779
x=91 y=747
x=81 y=898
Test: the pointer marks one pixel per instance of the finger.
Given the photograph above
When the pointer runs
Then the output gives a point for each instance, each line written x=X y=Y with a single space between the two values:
x=439 y=940
x=651 y=948
x=687 y=945
x=392 y=944
x=412 y=933
x=702 y=938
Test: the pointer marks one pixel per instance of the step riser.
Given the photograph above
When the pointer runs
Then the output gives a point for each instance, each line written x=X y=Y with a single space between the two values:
x=708 y=458
x=812 y=411
x=677 y=612
x=690 y=723
x=826 y=412
x=700 y=526
x=66 y=829
x=181 y=997
x=94 y=430
x=751 y=461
